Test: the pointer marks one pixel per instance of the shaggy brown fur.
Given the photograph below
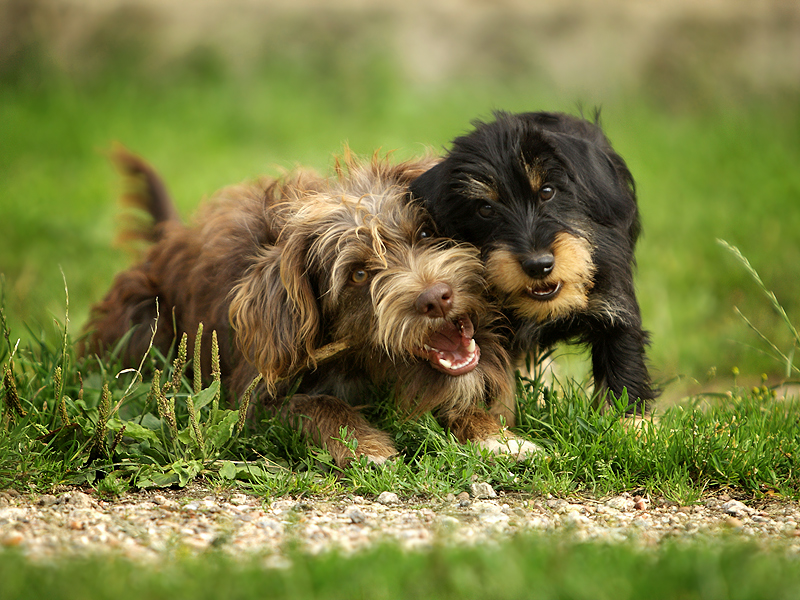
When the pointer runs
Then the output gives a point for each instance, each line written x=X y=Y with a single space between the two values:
x=280 y=268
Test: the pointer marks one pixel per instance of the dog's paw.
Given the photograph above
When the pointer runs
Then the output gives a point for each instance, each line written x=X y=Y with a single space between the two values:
x=379 y=460
x=513 y=446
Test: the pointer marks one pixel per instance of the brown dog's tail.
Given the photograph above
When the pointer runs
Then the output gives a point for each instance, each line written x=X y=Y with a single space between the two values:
x=146 y=193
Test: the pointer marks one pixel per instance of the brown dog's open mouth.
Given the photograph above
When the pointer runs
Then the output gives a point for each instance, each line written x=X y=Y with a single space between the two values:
x=544 y=292
x=451 y=348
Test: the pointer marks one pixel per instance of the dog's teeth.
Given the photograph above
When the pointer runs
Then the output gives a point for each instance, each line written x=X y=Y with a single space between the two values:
x=426 y=348
x=445 y=363
x=471 y=346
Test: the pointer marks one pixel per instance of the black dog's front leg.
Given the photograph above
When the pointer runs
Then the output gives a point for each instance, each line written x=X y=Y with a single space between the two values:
x=618 y=363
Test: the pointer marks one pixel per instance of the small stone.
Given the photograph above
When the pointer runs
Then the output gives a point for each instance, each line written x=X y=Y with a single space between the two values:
x=46 y=501
x=576 y=519
x=480 y=506
x=238 y=499
x=736 y=508
x=493 y=518
x=640 y=504
x=77 y=500
x=483 y=490
x=388 y=498
x=13 y=539
x=621 y=503
x=449 y=522
x=355 y=514
x=641 y=522
x=733 y=522
x=450 y=497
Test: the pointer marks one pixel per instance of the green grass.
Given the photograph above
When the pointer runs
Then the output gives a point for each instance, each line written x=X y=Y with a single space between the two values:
x=542 y=567
x=75 y=421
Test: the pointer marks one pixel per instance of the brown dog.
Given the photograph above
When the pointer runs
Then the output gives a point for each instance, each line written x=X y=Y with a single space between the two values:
x=280 y=268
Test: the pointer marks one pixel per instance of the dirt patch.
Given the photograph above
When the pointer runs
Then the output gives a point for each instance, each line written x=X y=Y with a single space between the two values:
x=152 y=526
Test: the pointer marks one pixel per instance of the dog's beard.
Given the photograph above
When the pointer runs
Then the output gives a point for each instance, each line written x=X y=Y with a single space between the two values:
x=563 y=292
x=447 y=343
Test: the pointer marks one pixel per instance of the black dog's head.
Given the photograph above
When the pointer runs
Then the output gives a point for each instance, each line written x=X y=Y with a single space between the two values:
x=552 y=207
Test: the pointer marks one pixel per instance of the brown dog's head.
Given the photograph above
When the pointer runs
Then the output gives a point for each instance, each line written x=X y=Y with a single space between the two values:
x=358 y=262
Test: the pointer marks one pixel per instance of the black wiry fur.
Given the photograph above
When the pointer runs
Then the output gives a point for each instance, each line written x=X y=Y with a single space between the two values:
x=488 y=191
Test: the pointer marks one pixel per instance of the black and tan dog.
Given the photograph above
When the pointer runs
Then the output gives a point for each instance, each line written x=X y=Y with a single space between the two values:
x=553 y=208
x=281 y=268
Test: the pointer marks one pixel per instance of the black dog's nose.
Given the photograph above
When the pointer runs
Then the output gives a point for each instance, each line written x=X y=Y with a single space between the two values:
x=539 y=266
x=435 y=301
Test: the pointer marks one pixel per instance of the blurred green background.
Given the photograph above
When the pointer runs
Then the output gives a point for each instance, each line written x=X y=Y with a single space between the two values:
x=701 y=98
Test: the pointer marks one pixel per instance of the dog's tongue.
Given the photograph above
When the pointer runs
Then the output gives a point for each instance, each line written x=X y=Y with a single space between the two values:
x=451 y=337
x=451 y=348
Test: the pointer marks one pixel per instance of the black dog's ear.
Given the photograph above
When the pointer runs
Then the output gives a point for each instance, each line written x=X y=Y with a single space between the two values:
x=606 y=185
x=430 y=187
x=431 y=190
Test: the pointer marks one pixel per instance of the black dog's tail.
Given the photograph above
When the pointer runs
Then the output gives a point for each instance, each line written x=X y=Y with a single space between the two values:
x=146 y=193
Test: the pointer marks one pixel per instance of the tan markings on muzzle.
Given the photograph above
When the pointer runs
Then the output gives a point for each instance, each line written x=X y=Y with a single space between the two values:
x=573 y=270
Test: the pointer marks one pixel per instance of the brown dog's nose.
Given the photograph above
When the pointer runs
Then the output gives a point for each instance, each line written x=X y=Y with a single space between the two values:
x=539 y=265
x=435 y=301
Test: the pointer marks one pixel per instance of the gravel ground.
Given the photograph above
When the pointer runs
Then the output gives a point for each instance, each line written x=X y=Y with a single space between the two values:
x=150 y=526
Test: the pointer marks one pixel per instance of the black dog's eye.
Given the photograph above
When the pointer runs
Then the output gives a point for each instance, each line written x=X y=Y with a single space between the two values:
x=547 y=192
x=486 y=211
x=359 y=277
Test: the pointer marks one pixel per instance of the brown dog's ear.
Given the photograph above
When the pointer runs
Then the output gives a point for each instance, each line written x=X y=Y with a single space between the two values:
x=275 y=313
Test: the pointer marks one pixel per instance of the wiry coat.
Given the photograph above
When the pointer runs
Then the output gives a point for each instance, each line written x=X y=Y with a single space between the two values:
x=553 y=208
x=279 y=268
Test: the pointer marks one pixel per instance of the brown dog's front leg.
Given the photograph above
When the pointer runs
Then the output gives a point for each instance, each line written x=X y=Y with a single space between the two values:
x=322 y=419
x=483 y=430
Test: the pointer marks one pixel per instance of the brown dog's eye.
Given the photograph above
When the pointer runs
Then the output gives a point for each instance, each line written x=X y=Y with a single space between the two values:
x=424 y=233
x=547 y=192
x=486 y=211
x=359 y=277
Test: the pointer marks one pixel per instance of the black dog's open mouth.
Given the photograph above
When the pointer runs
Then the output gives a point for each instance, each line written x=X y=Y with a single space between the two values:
x=451 y=348
x=543 y=293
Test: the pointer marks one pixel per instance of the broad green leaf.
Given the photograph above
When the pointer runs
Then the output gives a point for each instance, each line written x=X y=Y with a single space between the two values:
x=186 y=437
x=151 y=421
x=205 y=396
x=137 y=432
x=228 y=470
x=218 y=435
x=187 y=471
